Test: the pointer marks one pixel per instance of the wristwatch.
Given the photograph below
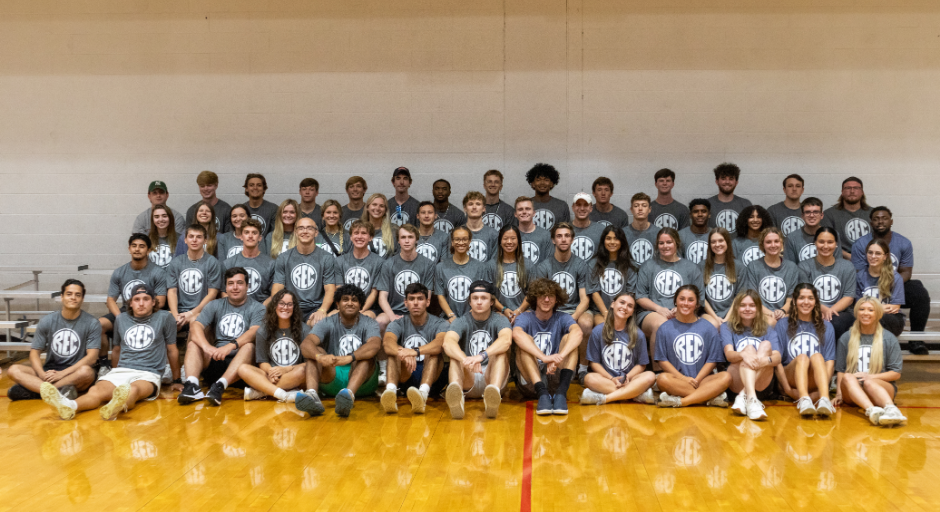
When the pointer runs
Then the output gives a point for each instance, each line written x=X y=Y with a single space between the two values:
x=177 y=381
x=486 y=357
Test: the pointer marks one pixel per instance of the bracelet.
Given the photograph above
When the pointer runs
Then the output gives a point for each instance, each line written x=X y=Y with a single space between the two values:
x=486 y=357
x=418 y=351
x=236 y=344
x=177 y=381
x=353 y=355
x=452 y=315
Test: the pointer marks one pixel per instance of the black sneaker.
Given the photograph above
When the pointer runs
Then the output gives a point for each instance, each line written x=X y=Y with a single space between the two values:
x=190 y=394
x=18 y=392
x=545 y=405
x=215 y=393
x=918 y=348
x=69 y=391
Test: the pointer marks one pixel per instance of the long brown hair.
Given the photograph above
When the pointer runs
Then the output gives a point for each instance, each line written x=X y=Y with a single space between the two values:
x=339 y=224
x=886 y=271
x=730 y=272
x=520 y=258
x=210 y=227
x=736 y=323
x=608 y=334
x=296 y=317
x=794 y=316
x=171 y=234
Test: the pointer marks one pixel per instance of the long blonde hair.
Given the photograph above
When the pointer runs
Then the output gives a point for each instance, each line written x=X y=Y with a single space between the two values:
x=170 y=229
x=886 y=272
x=730 y=272
x=877 y=358
x=339 y=223
x=277 y=235
x=736 y=323
x=610 y=333
x=210 y=227
x=388 y=236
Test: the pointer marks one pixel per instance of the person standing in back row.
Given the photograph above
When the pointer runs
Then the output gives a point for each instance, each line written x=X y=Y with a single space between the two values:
x=448 y=215
x=498 y=212
x=356 y=188
x=157 y=193
x=725 y=205
x=665 y=211
x=208 y=182
x=850 y=215
x=787 y=214
x=604 y=211
x=403 y=208
x=309 y=190
x=694 y=238
x=260 y=209
x=548 y=210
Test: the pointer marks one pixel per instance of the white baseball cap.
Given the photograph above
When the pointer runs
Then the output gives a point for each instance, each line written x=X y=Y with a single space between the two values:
x=583 y=195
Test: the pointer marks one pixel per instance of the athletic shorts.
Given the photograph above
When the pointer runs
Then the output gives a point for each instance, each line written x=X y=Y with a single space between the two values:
x=479 y=384
x=341 y=381
x=121 y=376
x=53 y=367
x=216 y=369
x=414 y=381
x=640 y=316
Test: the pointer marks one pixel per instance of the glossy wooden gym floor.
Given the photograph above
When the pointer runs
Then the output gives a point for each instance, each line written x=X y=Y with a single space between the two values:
x=265 y=456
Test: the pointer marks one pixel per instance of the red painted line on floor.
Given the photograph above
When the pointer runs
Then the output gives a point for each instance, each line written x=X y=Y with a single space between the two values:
x=526 y=499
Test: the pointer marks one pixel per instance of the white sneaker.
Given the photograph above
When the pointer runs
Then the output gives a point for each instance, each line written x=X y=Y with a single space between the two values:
x=805 y=406
x=874 y=414
x=589 y=397
x=383 y=373
x=491 y=401
x=824 y=407
x=646 y=397
x=892 y=416
x=719 y=401
x=390 y=400
x=667 y=400
x=252 y=394
x=103 y=370
x=740 y=404
x=291 y=396
x=167 y=376
x=419 y=400
x=755 y=409
x=455 y=400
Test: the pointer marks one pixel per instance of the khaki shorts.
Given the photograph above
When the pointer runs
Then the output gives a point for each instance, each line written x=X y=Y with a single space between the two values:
x=121 y=376
x=479 y=384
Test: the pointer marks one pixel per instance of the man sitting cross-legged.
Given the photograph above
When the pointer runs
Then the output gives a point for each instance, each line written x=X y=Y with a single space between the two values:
x=414 y=341
x=145 y=337
x=478 y=346
x=277 y=351
x=232 y=323
x=340 y=354
x=548 y=342
x=71 y=339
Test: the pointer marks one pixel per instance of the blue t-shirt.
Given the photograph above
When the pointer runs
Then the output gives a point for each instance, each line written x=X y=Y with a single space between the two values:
x=805 y=341
x=867 y=286
x=902 y=252
x=688 y=347
x=548 y=334
x=617 y=358
x=740 y=341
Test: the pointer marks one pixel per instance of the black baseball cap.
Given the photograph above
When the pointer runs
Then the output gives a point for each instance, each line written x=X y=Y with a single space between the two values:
x=482 y=286
x=401 y=170
x=143 y=288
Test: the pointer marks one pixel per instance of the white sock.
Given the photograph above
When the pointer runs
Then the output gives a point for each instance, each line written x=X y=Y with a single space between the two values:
x=280 y=394
x=69 y=403
x=582 y=368
x=312 y=391
x=224 y=382
x=391 y=387
x=194 y=380
x=383 y=365
x=425 y=389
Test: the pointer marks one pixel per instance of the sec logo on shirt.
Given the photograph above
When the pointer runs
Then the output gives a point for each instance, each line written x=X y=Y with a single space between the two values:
x=872 y=291
x=618 y=356
x=641 y=249
x=667 y=282
x=803 y=343
x=510 y=285
x=399 y=218
x=583 y=247
x=378 y=246
x=65 y=343
x=254 y=280
x=458 y=288
x=403 y=279
x=772 y=289
x=191 y=280
x=260 y=219
x=719 y=288
x=139 y=337
x=791 y=224
x=232 y=325
x=697 y=251
x=689 y=348
x=444 y=225
x=530 y=250
x=303 y=276
x=727 y=219
x=359 y=276
x=566 y=281
x=602 y=222
x=129 y=288
x=829 y=288
x=864 y=358
x=427 y=250
x=612 y=282
x=285 y=352
x=478 y=342
x=749 y=341
x=856 y=228
x=162 y=255
x=414 y=342
x=544 y=219
x=751 y=254
x=808 y=252
x=492 y=220
x=234 y=250
x=666 y=220
x=348 y=344
x=543 y=340
x=348 y=224
x=478 y=250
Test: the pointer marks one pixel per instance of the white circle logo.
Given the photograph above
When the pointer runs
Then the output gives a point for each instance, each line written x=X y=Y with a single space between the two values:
x=284 y=352
x=530 y=250
x=479 y=340
x=427 y=250
x=894 y=262
x=667 y=282
x=829 y=288
x=543 y=340
x=232 y=251
x=442 y=224
x=403 y=279
x=743 y=343
x=641 y=249
x=477 y=250
x=379 y=247
x=162 y=255
x=666 y=220
x=348 y=223
x=803 y=343
x=856 y=228
x=260 y=219
x=232 y=325
x=727 y=219
x=254 y=280
x=492 y=220
x=458 y=288
x=751 y=254
x=348 y=344
x=191 y=280
x=864 y=358
x=65 y=343
x=567 y=283
x=583 y=247
x=612 y=282
x=772 y=289
x=544 y=219
x=808 y=252
x=129 y=288
x=617 y=356
x=303 y=276
x=697 y=251
x=791 y=224
x=327 y=247
x=139 y=337
x=510 y=285
x=359 y=277
x=414 y=342
x=872 y=291
x=719 y=288
x=602 y=222
x=689 y=348
x=399 y=218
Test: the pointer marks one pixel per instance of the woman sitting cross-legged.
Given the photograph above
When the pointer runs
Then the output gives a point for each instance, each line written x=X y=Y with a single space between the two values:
x=752 y=349
x=868 y=363
x=688 y=349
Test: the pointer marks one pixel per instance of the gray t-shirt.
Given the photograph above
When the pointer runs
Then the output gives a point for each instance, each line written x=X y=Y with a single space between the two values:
x=413 y=336
x=550 y=212
x=725 y=215
x=719 y=290
x=694 y=245
x=674 y=215
x=406 y=213
x=484 y=244
x=434 y=246
x=746 y=250
x=799 y=247
x=537 y=245
x=265 y=214
x=380 y=248
x=227 y=245
x=476 y=336
x=891 y=352
x=774 y=285
x=285 y=242
x=316 y=215
x=642 y=243
x=350 y=216
x=453 y=281
x=397 y=274
x=612 y=282
x=340 y=240
x=587 y=240
x=260 y=273
x=572 y=275
x=143 y=341
x=194 y=279
x=125 y=278
x=363 y=273
x=833 y=282
x=66 y=341
x=142 y=222
x=850 y=225
x=450 y=218
x=617 y=358
x=688 y=347
x=223 y=215
x=162 y=254
x=786 y=219
x=305 y=275
x=339 y=340
x=512 y=290
x=659 y=280
x=229 y=321
x=615 y=217
x=499 y=215
x=279 y=348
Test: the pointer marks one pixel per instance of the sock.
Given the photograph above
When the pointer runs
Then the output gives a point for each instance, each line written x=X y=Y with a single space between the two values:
x=192 y=379
x=564 y=380
x=69 y=403
x=425 y=389
x=383 y=365
x=224 y=382
x=540 y=389
x=280 y=394
x=391 y=387
x=312 y=391
x=582 y=368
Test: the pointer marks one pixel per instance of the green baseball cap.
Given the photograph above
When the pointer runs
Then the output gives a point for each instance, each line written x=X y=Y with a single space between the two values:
x=157 y=184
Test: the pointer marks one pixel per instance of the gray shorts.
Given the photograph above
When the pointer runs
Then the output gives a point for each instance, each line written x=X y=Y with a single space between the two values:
x=479 y=384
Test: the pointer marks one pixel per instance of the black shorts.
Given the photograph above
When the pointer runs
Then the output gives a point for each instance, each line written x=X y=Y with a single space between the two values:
x=216 y=369
x=54 y=367
x=110 y=316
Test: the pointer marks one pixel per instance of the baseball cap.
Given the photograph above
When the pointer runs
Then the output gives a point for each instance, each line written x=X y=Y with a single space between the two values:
x=583 y=195
x=482 y=286
x=401 y=170
x=157 y=184
x=143 y=288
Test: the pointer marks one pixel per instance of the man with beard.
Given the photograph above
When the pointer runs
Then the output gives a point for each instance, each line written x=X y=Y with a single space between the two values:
x=448 y=215
x=850 y=215
x=548 y=210
x=695 y=237
x=402 y=207
x=725 y=205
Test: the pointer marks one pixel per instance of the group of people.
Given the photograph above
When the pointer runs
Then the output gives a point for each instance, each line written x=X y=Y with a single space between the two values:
x=395 y=296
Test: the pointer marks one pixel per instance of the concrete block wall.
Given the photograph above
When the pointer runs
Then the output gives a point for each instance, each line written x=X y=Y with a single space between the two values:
x=99 y=97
